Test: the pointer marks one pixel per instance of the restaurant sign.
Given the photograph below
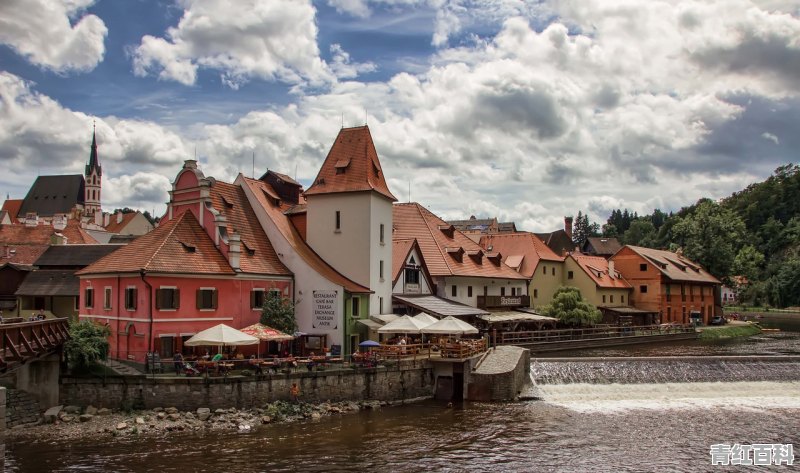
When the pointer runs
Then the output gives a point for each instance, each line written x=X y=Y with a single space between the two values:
x=510 y=301
x=324 y=316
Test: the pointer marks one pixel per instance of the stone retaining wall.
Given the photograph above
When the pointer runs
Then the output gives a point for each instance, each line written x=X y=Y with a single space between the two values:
x=21 y=408
x=405 y=381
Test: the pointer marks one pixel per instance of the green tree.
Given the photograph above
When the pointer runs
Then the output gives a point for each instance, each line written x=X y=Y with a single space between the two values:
x=88 y=343
x=712 y=236
x=610 y=230
x=784 y=286
x=278 y=313
x=640 y=233
x=569 y=307
x=748 y=263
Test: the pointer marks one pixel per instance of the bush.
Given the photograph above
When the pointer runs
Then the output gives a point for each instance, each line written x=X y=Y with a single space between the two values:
x=570 y=308
x=87 y=344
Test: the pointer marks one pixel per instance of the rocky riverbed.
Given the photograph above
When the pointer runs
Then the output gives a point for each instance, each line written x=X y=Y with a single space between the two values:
x=72 y=422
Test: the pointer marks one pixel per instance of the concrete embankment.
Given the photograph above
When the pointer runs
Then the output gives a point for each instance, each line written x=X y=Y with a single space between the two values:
x=680 y=369
x=500 y=375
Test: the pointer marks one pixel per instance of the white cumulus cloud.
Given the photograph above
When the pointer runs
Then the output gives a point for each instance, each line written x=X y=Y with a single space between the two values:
x=53 y=34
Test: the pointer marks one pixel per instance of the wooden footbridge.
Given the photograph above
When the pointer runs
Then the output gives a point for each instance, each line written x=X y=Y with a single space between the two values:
x=22 y=342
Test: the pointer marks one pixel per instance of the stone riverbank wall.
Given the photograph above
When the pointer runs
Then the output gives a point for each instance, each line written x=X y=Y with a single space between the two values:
x=409 y=380
x=501 y=375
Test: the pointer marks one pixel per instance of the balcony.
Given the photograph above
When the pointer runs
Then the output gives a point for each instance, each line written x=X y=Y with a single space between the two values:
x=491 y=302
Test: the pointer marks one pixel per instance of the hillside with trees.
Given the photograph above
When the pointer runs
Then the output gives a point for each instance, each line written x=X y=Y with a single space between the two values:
x=750 y=240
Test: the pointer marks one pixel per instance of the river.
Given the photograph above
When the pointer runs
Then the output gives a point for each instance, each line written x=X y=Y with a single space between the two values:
x=576 y=427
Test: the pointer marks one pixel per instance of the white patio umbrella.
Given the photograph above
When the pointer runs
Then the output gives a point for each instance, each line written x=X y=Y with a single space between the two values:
x=404 y=324
x=450 y=325
x=221 y=335
x=425 y=318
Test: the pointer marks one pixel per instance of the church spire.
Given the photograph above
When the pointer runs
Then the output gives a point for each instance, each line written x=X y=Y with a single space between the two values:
x=93 y=161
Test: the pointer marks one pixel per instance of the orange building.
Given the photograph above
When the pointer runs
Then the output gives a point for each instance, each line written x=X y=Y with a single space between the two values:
x=668 y=283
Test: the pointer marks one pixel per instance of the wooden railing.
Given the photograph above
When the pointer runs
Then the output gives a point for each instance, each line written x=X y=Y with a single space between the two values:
x=546 y=336
x=24 y=341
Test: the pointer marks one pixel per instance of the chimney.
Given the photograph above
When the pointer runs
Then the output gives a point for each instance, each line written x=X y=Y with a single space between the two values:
x=106 y=219
x=119 y=217
x=234 y=250
x=568 y=226
x=611 y=272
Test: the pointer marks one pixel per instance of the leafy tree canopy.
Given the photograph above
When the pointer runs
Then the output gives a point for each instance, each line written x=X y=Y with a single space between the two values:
x=278 y=313
x=88 y=343
x=569 y=307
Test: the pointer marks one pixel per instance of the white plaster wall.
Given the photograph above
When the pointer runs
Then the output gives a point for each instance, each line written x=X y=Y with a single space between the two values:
x=306 y=278
x=380 y=213
x=493 y=286
x=347 y=250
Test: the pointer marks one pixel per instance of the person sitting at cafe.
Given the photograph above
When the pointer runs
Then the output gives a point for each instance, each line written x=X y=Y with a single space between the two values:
x=217 y=358
x=254 y=364
x=178 y=362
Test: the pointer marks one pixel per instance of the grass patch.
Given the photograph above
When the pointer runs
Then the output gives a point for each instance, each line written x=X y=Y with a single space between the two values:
x=731 y=331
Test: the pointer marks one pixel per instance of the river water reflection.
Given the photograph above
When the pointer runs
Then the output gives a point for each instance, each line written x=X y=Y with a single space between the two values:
x=579 y=427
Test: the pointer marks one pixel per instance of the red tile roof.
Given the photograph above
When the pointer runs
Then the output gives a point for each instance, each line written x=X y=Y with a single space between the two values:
x=447 y=251
x=179 y=245
x=114 y=227
x=292 y=236
x=352 y=165
x=596 y=267
x=21 y=234
x=231 y=201
x=12 y=206
x=522 y=250
x=400 y=250
x=673 y=265
x=21 y=254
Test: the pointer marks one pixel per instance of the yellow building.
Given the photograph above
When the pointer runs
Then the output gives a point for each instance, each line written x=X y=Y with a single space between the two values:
x=600 y=284
x=529 y=256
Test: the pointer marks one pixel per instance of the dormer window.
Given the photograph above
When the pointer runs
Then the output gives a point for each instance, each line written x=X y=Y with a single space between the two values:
x=341 y=165
x=189 y=248
x=226 y=203
x=250 y=251
x=448 y=230
x=456 y=252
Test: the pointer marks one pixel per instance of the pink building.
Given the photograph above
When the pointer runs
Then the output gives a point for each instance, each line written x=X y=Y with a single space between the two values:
x=208 y=262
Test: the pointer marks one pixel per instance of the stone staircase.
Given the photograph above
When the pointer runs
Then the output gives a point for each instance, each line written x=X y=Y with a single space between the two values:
x=121 y=368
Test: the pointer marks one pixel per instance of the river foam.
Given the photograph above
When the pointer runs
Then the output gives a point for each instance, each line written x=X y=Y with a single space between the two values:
x=745 y=395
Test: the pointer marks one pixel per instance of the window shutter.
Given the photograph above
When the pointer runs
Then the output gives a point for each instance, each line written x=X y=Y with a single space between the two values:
x=157 y=341
x=134 y=298
x=198 y=296
x=159 y=299
x=214 y=299
x=177 y=299
x=252 y=299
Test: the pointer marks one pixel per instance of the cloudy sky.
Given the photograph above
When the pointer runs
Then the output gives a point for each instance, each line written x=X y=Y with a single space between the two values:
x=527 y=111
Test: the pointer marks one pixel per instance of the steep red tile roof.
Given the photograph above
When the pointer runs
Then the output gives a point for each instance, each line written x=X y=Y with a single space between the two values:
x=521 y=250
x=260 y=190
x=231 y=201
x=12 y=206
x=114 y=227
x=447 y=251
x=352 y=165
x=400 y=250
x=597 y=269
x=673 y=266
x=179 y=245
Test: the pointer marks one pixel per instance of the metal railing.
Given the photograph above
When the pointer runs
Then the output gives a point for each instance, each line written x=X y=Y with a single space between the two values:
x=563 y=335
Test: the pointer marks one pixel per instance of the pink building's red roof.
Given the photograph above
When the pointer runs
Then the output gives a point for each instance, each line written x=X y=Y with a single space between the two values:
x=179 y=245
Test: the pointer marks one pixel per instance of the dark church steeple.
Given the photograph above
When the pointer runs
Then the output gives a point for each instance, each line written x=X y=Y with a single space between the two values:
x=93 y=177
x=93 y=162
